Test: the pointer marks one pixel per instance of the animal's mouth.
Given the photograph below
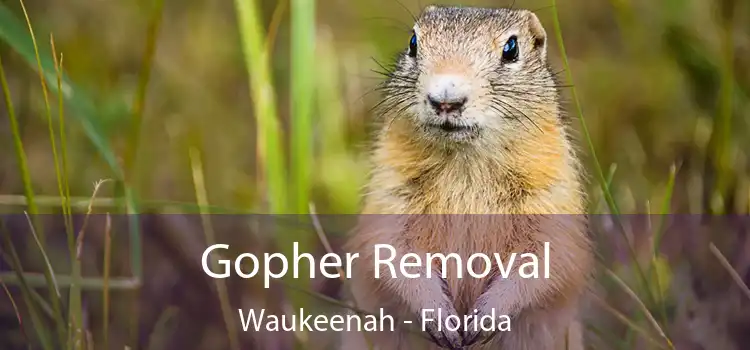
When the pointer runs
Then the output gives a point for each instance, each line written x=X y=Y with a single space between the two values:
x=452 y=127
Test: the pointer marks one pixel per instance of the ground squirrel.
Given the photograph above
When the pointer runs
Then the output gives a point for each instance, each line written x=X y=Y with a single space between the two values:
x=472 y=125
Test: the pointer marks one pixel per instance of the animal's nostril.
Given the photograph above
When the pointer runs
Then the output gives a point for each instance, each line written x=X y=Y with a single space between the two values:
x=446 y=105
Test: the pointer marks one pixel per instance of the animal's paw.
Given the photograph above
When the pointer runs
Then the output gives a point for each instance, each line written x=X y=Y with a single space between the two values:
x=445 y=331
x=440 y=319
x=478 y=334
x=481 y=327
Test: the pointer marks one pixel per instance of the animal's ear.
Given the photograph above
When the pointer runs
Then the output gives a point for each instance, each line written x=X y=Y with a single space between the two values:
x=426 y=11
x=429 y=8
x=538 y=34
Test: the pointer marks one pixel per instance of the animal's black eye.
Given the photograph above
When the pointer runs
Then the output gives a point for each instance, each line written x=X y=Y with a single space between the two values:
x=413 y=46
x=510 y=50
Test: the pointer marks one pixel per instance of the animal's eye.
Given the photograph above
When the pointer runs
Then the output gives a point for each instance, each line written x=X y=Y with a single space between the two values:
x=413 y=46
x=510 y=50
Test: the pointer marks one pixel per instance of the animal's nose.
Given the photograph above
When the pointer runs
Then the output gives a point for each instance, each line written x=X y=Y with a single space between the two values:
x=447 y=92
x=442 y=105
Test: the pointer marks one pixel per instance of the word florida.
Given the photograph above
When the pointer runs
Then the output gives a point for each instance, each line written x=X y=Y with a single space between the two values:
x=387 y=263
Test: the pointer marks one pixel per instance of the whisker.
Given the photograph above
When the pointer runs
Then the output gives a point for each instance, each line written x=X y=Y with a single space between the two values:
x=382 y=66
x=382 y=102
x=520 y=112
x=398 y=113
x=555 y=86
x=413 y=17
x=403 y=25
x=521 y=96
x=392 y=102
x=396 y=77
x=502 y=111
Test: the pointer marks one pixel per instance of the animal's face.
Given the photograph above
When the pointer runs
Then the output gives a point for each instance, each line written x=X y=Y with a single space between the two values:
x=472 y=73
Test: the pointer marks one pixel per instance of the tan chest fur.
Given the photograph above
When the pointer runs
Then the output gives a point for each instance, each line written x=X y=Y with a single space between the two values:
x=534 y=177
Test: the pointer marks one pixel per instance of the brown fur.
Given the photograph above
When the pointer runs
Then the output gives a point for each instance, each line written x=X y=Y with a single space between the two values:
x=512 y=166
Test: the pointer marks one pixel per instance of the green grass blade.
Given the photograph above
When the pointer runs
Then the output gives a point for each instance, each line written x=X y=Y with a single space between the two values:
x=49 y=277
x=18 y=313
x=13 y=32
x=303 y=38
x=37 y=280
x=54 y=294
x=633 y=327
x=221 y=287
x=47 y=109
x=131 y=154
x=642 y=306
x=75 y=308
x=67 y=210
x=598 y=168
x=159 y=337
x=666 y=208
x=109 y=202
x=77 y=334
x=132 y=206
x=269 y=136
x=140 y=97
x=23 y=167
x=721 y=136
x=105 y=280
x=736 y=277
x=609 y=179
x=39 y=236
x=43 y=304
x=302 y=93
x=579 y=112
x=40 y=327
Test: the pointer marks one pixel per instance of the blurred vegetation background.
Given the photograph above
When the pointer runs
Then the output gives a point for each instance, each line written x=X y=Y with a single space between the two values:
x=264 y=107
